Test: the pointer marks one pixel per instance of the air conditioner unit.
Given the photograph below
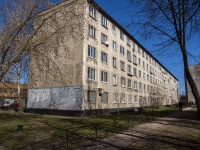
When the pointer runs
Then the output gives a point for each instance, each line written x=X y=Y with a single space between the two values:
x=107 y=43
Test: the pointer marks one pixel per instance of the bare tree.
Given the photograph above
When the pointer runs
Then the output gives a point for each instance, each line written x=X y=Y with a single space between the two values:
x=175 y=23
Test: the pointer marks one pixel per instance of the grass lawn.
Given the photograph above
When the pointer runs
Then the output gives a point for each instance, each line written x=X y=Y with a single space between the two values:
x=40 y=130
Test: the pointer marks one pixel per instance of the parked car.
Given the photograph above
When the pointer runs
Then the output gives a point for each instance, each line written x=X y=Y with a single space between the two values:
x=15 y=105
x=7 y=103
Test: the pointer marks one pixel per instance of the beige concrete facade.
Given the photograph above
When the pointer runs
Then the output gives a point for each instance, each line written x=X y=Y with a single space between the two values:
x=122 y=75
x=195 y=72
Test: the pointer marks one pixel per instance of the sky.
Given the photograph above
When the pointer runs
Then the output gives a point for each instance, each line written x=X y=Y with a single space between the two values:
x=120 y=11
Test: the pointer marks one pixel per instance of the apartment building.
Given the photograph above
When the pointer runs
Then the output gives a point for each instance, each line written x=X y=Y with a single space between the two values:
x=104 y=68
x=195 y=72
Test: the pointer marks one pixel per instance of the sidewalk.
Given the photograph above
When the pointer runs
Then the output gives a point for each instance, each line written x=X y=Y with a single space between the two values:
x=180 y=130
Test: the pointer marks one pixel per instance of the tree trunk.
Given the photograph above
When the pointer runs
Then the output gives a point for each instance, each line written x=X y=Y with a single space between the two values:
x=190 y=80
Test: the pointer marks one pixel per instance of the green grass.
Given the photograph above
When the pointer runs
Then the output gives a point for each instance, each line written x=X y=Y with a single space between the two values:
x=40 y=127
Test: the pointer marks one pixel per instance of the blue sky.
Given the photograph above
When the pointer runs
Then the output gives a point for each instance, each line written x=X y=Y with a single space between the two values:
x=119 y=10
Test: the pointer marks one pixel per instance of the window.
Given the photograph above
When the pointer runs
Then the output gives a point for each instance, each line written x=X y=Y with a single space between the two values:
x=129 y=83
x=147 y=56
x=130 y=100
x=128 y=42
x=143 y=53
x=140 y=86
x=114 y=45
x=140 y=99
x=123 y=98
x=129 y=55
x=113 y=29
x=91 y=96
x=92 y=32
x=91 y=73
x=147 y=77
x=121 y=35
x=135 y=85
x=135 y=99
x=114 y=80
x=115 y=98
x=139 y=50
x=129 y=69
x=139 y=61
x=121 y=50
x=133 y=46
x=140 y=73
x=104 y=39
x=143 y=75
x=104 y=21
x=114 y=62
x=134 y=60
x=143 y=64
x=123 y=83
x=122 y=65
x=92 y=12
x=134 y=71
x=104 y=97
x=104 y=57
x=91 y=52
x=104 y=76
x=144 y=87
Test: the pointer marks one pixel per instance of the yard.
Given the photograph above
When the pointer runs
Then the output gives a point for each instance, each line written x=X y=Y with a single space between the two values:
x=55 y=131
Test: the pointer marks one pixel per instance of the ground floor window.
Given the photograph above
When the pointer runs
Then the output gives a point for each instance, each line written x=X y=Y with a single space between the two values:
x=91 y=96
x=115 y=96
x=104 y=97
x=130 y=100
x=135 y=99
x=123 y=98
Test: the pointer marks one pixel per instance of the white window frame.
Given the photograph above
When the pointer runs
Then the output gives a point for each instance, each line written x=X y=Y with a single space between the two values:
x=130 y=99
x=114 y=45
x=91 y=73
x=114 y=79
x=129 y=69
x=121 y=35
x=114 y=29
x=92 y=32
x=140 y=86
x=135 y=99
x=129 y=83
x=91 y=51
x=104 y=57
x=134 y=59
x=135 y=85
x=123 y=82
x=91 y=96
x=104 y=39
x=128 y=55
x=92 y=12
x=122 y=50
x=134 y=71
x=104 y=21
x=104 y=76
x=104 y=97
x=128 y=41
x=122 y=65
x=123 y=98
x=114 y=62
x=115 y=98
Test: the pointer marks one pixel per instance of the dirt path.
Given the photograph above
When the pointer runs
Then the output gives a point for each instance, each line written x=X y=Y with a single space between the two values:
x=180 y=130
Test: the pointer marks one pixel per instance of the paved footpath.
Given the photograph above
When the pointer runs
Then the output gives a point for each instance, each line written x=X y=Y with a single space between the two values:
x=180 y=130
